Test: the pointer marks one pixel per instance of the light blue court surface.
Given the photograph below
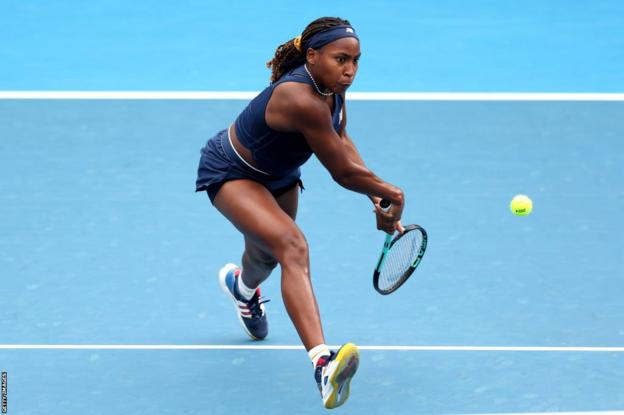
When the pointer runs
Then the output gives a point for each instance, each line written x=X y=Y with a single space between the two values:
x=104 y=242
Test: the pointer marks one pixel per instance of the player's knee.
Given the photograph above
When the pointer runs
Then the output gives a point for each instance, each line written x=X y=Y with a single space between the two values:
x=293 y=249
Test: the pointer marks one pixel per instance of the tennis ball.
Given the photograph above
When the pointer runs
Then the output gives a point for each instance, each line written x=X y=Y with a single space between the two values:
x=521 y=205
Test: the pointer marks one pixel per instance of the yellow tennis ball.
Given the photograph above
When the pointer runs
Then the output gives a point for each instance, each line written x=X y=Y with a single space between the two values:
x=521 y=205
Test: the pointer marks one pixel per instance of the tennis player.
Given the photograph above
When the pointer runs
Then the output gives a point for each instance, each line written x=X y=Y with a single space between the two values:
x=251 y=174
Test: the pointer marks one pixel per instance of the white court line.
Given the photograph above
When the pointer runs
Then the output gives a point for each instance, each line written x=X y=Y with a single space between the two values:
x=298 y=347
x=352 y=96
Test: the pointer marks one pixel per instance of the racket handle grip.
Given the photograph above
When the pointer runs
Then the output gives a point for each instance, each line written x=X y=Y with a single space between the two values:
x=385 y=204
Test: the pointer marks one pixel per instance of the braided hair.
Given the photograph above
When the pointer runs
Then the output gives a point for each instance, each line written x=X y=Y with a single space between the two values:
x=288 y=57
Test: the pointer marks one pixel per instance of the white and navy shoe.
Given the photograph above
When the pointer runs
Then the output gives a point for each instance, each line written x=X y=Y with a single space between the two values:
x=251 y=313
x=333 y=375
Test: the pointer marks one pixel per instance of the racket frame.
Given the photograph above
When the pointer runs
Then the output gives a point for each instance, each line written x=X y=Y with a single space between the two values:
x=388 y=243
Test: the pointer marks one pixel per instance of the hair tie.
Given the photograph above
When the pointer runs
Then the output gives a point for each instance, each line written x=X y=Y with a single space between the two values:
x=297 y=43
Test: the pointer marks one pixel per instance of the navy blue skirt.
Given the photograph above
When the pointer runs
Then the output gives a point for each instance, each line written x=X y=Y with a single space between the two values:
x=219 y=163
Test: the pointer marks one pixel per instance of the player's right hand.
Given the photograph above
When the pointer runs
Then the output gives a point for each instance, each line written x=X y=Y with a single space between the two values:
x=389 y=221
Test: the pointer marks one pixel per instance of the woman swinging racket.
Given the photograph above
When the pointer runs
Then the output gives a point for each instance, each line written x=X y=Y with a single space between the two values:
x=251 y=174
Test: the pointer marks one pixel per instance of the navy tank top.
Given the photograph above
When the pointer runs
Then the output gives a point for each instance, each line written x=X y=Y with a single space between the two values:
x=276 y=152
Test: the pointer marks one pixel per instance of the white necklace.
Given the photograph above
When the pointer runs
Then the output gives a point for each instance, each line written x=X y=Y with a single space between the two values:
x=326 y=94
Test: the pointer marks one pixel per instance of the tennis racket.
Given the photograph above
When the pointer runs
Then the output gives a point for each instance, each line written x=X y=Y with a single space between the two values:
x=400 y=256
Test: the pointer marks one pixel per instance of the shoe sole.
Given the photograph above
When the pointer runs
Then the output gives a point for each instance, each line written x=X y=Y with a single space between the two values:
x=348 y=359
x=222 y=274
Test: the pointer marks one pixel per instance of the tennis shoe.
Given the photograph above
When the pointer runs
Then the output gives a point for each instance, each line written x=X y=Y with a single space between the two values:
x=251 y=313
x=333 y=375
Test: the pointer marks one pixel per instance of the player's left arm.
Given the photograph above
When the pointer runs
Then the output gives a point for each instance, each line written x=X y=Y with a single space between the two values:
x=350 y=148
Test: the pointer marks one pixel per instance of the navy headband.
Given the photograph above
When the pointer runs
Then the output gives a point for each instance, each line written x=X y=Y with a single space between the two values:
x=318 y=40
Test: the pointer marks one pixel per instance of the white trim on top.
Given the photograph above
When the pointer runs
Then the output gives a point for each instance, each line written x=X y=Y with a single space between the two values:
x=241 y=157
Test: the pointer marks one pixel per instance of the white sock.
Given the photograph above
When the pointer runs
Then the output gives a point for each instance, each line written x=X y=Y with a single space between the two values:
x=244 y=290
x=317 y=352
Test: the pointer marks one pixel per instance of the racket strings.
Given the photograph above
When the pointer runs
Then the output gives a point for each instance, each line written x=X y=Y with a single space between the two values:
x=399 y=259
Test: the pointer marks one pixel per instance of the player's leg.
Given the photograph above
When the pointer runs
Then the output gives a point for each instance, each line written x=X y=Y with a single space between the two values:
x=258 y=261
x=256 y=213
x=271 y=235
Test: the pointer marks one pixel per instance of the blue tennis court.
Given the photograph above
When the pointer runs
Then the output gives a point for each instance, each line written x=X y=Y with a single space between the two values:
x=109 y=300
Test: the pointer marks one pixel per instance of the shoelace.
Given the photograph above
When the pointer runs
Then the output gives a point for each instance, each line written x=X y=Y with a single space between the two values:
x=254 y=305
